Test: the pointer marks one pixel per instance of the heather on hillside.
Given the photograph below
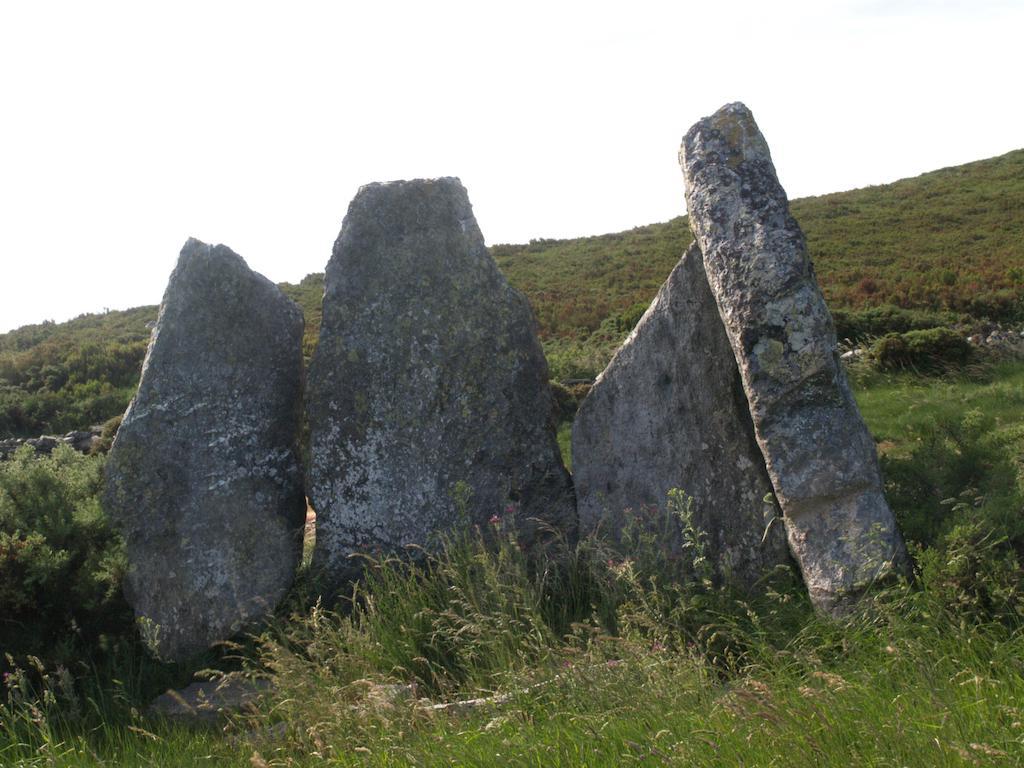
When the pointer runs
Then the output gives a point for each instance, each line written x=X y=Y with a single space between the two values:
x=949 y=240
x=944 y=248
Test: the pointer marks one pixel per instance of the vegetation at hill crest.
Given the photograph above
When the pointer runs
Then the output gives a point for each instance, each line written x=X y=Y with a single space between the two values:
x=943 y=248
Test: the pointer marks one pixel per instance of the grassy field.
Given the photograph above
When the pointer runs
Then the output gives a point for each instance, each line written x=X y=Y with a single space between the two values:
x=605 y=660
x=898 y=695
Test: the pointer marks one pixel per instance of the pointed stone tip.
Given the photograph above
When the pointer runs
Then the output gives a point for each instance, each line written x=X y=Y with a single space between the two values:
x=735 y=108
x=192 y=245
x=734 y=119
x=729 y=136
x=196 y=247
x=198 y=255
x=194 y=251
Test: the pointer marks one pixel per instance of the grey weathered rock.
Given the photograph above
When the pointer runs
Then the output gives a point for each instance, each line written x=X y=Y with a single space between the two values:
x=203 y=477
x=428 y=383
x=44 y=444
x=669 y=412
x=208 y=701
x=820 y=456
x=81 y=440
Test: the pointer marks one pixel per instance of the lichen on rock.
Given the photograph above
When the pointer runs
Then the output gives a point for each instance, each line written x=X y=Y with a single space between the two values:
x=203 y=477
x=669 y=413
x=819 y=454
x=428 y=379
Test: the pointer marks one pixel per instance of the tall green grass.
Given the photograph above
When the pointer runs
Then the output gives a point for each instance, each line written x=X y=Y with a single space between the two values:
x=600 y=656
x=629 y=667
x=686 y=678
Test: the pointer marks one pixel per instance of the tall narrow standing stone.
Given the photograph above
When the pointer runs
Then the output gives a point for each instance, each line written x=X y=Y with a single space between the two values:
x=429 y=408
x=820 y=456
x=669 y=412
x=204 y=477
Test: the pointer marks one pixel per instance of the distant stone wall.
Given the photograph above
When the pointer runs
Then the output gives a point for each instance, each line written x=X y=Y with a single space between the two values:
x=82 y=441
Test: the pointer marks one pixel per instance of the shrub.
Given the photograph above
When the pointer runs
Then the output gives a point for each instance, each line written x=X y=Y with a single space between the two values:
x=571 y=360
x=565 y=402
x=61 y=564
x=860 y=325
x=976 y=573
x=957 y=498
x=929 y=350
x=107 y=435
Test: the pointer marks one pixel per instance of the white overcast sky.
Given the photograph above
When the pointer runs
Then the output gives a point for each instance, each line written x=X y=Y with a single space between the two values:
x=127 y=127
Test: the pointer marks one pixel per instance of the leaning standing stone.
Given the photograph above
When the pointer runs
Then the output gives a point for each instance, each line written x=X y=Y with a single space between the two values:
x=203 y=476
x=820 y=456
x=669 y=412
x=429 y=407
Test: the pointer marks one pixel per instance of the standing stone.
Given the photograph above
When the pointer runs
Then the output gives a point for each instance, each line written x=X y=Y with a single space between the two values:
x=429 y=407
x=820 y=456
x=669 y=412
x=203 y=476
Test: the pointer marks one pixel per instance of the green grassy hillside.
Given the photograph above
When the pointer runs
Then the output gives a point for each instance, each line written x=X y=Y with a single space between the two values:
x=58 y=377
x=950 y=241
x=604 y=656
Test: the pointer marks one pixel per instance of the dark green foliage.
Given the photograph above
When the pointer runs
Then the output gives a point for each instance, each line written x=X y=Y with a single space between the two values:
x=565 y=402
x=308 y=294
x=58 y=377
x=957 y=494
x=928 y=351
x=61 y=563
x=956 y=472
x=107 y=434
x=977 y=573
x=864 y=324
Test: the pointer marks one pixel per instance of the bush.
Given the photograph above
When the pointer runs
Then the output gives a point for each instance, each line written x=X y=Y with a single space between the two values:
x=571 y=360
x=565 y=402
x=61 y=564
x=957 y=498
x=107 y=434
x=861 y=325
x=929 y=351
x=976 y=573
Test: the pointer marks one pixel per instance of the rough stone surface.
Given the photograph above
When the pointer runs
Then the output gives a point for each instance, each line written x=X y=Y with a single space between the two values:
x=208 y=701
x=669 y=412
x=203 y=476
x=820 y=456
x=428 y=384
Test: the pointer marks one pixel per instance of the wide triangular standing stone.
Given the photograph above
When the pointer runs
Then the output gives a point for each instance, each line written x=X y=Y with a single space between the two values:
x=204 y=477
x=429 y=407
x=820 y=456
x=669 y=412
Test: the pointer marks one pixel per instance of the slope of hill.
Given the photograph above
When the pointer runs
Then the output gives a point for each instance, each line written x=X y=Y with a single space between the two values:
x=949 y=241
x=58 y=377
